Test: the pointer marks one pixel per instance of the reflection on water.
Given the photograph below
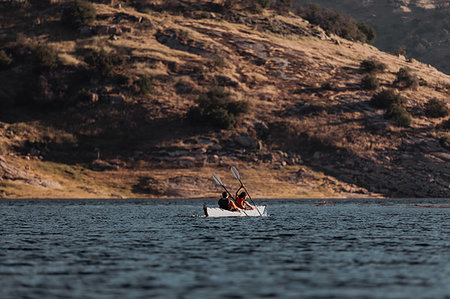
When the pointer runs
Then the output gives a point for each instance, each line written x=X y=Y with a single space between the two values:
x=155 y=248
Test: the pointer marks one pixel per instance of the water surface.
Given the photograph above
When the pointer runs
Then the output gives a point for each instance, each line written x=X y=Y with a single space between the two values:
x=157 y=248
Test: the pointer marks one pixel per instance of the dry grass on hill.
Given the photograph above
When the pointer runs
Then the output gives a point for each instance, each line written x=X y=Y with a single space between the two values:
x=310 y=129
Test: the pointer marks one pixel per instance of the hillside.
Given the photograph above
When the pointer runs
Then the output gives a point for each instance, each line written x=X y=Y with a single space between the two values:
x=108 y=109
x=420 y=27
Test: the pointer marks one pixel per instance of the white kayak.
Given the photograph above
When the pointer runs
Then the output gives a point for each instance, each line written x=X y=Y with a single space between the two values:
x=218 y=212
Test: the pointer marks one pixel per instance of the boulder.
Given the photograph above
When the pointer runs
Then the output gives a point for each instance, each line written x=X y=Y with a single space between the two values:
x=248 y=142
x=101 y=165
x=85 y=30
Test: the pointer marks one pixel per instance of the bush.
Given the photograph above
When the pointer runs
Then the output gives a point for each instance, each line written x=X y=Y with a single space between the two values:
x=372 y=66
x=104 y=63
x=264 y=3
x=406 y=79
x=218 y=62
x=143 y=85
x=387 y=98
x=5 y=60
x=123 y=79
x=79 y=13
x=445 y=142
x=436 y=108
x=399 y=115
x=334 y=22
x=446 y=124
x=45 y=57
x=370 y=82
x=83 y=95
x=368 y=32
x=400 y=52
x=216 y=107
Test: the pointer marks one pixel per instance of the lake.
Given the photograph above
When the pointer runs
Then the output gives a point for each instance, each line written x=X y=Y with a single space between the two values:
x=367 y=248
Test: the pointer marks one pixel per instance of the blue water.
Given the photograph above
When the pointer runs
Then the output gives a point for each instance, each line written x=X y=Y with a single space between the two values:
x=157 y=248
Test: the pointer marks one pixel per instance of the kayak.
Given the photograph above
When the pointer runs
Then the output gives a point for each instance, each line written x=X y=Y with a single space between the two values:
x=218 y=212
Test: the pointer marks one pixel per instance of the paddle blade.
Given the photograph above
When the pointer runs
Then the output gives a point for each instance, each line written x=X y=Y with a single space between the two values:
x=235 y=172
x=217 y=179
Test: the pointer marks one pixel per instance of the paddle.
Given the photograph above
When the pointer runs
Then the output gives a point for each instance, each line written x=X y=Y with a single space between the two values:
x=237 y=176
x=219 y=181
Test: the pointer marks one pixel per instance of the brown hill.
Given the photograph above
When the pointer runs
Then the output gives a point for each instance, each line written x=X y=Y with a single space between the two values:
x=104 y=109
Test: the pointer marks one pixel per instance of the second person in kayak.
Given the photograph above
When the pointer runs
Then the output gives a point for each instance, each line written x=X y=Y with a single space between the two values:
x=227 y=204
x=241 y=202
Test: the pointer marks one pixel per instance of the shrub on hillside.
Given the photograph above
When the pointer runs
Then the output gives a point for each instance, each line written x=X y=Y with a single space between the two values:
x=370 y=82
x=445 y=142
x=79 y=13
x=436 y=108
x=5 y=60
x=399 y=115
x=372 y=66
x=387 y=98
x=143 y=86
x=400 y=52
x=103 y=62
x=446 y=124
x=122 y=79
x=45 y=57
x=368 y=32
x=216 y=107
x=406 y=79
x=336 y=23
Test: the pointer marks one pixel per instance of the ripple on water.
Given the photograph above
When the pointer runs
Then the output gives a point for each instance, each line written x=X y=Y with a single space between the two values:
x=153 y=248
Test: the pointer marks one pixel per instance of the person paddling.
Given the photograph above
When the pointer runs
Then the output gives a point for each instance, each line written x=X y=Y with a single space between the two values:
x=226 y=203
x=241 y=202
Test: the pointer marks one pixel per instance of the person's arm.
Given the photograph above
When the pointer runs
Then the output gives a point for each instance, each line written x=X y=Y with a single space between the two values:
x=248 y=205
x=234 y=206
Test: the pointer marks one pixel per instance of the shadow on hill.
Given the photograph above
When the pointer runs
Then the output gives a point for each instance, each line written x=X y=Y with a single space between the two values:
x=395 y=163
x=128 y=131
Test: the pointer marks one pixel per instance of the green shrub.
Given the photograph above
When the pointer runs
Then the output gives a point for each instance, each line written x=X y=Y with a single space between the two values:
x=79 y=13
x=5 y=60
x=436 y=108
x=445 y=142
x=217 y=63
x=368 y=33
x=334 y=22
x=264 y=3
x=216 y=107
x=399 y=115
x=370 y=82
x=83 y=95
x=143 y=85
x=122 y=79
x=104 y=63
x=446 y=124
x=400 y=52
x=45 y=57
x=406 y=79
x=372 y=66
x=387 y=98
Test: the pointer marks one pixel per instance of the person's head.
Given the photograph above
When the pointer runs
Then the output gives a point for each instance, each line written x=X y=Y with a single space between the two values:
x=242 y=195
x=224 y=194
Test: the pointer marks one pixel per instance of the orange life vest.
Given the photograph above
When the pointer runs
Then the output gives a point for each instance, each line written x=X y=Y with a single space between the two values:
x=240 y=202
